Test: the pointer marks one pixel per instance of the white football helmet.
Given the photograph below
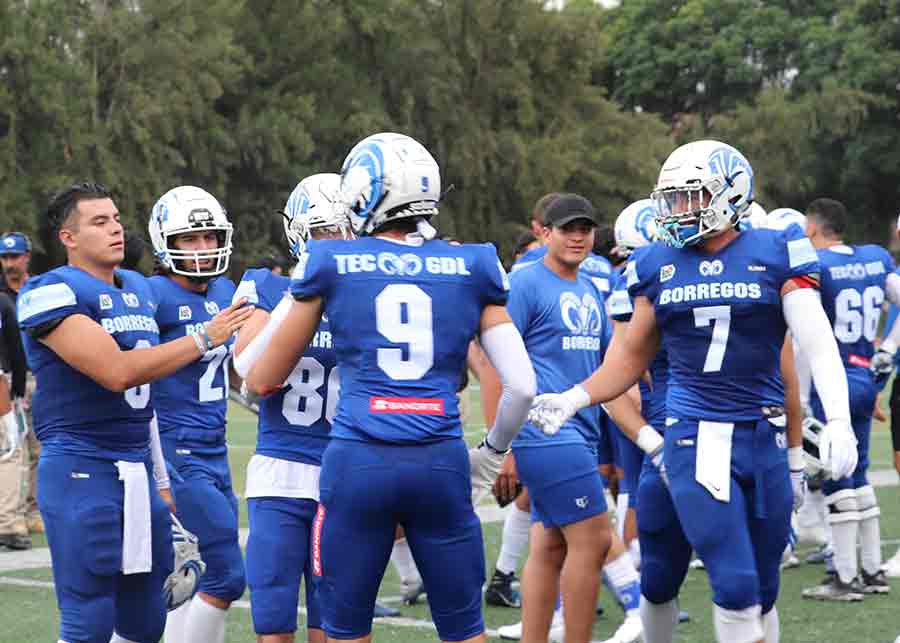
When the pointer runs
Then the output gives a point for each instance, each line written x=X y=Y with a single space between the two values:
x=387 y=177
x=314 y=203
x=812 y=428
x=189 y=209
x=635 y=227
x=703 y=189
x=781 y=218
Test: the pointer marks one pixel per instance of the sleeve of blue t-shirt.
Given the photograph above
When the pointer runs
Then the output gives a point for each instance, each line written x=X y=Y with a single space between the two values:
x=493 y=282
x=45 y=299
x=519 y=303
x=314 y=274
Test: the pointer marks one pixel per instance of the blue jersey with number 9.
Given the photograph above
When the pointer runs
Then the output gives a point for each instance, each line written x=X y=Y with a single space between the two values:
x=720 y=319
x=401 y=318
x=73 y=414
x=191 y=403
x=294 y=422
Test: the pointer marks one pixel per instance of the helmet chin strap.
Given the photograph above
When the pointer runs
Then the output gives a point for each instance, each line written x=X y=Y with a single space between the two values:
x=425 y=229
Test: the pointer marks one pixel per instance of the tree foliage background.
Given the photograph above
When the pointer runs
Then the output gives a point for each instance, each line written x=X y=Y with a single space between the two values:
x=514 y=98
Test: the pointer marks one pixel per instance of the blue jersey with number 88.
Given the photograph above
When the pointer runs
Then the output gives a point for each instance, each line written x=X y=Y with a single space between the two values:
x=721 y=321
x=295 y=420
x=401 y=317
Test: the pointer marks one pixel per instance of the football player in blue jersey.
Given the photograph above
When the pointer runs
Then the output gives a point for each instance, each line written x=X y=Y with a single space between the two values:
x=283 y=475
x=856 y=280
x=108 y=529
x=191 y=238
x=721 y=300
x=402 y=308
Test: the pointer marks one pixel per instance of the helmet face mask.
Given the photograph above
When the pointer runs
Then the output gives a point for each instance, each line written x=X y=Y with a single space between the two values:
x=704 y=188
x=314 y=210
x=387 y=177
x=188 y=209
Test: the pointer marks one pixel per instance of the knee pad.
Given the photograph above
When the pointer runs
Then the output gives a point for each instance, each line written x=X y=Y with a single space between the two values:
x=867 y=502
x=100 y=527
x=92 y=622
x=738 y=626
x=274 y=610
x=842 y=506
x=658 y=583
x=225 y=577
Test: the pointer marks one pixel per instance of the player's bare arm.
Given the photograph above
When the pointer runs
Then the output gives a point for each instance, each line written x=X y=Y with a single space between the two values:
x=83 y=344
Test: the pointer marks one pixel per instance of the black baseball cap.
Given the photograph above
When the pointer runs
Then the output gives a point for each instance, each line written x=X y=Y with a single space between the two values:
x=568 y=208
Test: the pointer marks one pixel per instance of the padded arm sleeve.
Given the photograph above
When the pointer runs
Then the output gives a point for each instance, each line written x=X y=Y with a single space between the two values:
x=505 y=349
x=892 y=290
x=813 y=335
x=245 y=361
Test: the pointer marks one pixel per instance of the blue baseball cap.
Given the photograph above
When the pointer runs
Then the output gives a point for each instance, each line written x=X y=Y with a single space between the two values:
x=14 y=243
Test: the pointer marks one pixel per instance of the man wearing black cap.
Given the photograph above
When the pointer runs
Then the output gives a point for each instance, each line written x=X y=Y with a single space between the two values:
x=18 y=511
x=559 y=312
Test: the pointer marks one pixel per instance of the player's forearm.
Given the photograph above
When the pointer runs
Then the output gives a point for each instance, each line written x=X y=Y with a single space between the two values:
x=626 y=415
x=505 y=350
x=286 y=347
x=621 y=369
x=144 y=365
x=490 y=386
x=793 y=408
x=809 y=326
x=260 y=336
x=160 y=472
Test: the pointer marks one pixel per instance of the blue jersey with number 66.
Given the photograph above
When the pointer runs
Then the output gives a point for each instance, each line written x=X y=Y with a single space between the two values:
x=401 y=317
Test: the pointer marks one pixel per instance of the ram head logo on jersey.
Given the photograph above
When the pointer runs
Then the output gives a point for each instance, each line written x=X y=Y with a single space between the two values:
x=211 y=307
x=580 y=315
x=403 y=265
x=711 y=268
x=131 y=300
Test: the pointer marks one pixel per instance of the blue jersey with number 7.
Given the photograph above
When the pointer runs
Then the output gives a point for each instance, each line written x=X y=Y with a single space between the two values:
x=401 y=317
x=720 y=319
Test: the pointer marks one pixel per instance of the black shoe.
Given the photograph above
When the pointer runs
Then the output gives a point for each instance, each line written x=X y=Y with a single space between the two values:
x=834 y=589
x=873 y=583
x=500 y=592
x=15 y=542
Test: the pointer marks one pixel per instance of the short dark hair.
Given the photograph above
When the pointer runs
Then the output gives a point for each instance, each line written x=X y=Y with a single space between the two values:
x=605 y=241
x=525 y=238
x=65 y=201
x=830 y=215
x=542 y=205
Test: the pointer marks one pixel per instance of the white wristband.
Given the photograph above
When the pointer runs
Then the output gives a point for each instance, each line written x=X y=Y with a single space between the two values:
x=199 y=341
x=579 y=397
x=796 y=460
x=648 y=439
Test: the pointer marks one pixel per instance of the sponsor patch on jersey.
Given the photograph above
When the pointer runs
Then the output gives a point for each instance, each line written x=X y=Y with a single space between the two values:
x=801 y=251
x=130 y=299
x=859 y=360
x=184 y=312
x=211 y=307
x=105 y=301
x=666 y=272
x=755 y=268
x=411 y=405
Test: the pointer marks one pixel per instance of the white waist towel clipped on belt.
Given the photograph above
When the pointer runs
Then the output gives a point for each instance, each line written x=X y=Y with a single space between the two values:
x=137 y=546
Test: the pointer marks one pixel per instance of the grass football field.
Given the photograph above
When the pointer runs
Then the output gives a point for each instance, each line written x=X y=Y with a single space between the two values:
x=28 y=611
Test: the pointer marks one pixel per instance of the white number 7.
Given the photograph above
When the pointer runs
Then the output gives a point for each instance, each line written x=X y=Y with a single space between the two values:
x=721 y=317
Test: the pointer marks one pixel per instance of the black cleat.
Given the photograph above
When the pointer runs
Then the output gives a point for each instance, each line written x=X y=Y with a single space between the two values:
x=15 y=542
x=500 y=592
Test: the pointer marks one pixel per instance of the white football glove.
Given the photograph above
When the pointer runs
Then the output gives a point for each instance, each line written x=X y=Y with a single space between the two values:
x=796 y=464
x=837 y=449
x=485 y=463
x=550 y=411
x=882 y=362
x=181 y=585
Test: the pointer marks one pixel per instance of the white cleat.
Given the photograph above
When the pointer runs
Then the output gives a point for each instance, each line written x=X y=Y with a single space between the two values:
x=892 y=566
x=514 y=632
x=629 y=632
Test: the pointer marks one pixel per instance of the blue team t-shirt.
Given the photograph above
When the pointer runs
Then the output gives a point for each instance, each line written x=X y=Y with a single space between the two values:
x=597 y=268
x=721 y=321
x=401 y=318
x=566 y=332
x=192 y=402
x=294 y=422
x=72 y=413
